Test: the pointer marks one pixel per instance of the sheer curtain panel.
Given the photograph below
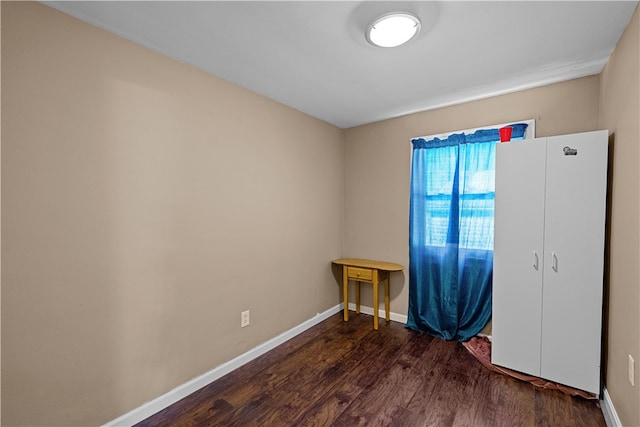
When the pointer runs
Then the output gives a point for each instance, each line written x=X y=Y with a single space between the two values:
x=451 y=233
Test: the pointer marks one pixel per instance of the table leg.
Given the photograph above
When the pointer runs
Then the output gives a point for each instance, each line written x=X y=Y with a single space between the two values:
x=386 y=297
x=375 y=299
x=357 y=297
x=345 y=290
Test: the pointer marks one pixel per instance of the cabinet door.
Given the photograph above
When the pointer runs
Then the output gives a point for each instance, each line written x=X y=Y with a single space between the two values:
x=574 y=257
x=518 y=260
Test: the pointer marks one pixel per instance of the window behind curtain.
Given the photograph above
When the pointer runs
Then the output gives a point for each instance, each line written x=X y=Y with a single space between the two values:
x=451 y=232
x=476 y=232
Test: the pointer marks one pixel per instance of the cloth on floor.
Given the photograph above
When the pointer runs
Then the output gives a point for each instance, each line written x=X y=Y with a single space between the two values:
x=480 y=348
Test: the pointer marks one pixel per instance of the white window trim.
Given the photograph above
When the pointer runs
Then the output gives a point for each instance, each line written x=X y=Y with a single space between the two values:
x=530 y=132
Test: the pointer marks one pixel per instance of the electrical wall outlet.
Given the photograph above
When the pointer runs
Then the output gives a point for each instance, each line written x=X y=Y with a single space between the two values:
x=632 y=372
x=244 y=319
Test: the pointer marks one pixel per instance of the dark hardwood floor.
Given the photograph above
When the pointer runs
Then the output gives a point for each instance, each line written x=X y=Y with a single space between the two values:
x=346 y=374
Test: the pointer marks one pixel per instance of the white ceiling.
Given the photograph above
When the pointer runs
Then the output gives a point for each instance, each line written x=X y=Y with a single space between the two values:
x=313 y=56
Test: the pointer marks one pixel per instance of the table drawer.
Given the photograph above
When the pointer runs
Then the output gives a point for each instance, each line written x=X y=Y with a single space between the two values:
x=359 y=273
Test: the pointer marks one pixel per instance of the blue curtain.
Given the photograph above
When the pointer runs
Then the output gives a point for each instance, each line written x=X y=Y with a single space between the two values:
x=451 y=233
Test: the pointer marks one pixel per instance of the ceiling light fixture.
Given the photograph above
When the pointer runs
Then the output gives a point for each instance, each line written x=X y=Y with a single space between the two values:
x=393 y=29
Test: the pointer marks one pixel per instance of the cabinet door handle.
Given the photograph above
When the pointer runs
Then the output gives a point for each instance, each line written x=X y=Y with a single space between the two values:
x=535 y=260
x=554 y=264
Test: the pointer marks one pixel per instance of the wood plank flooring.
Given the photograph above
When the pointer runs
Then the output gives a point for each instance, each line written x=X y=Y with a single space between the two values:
x=346 y=374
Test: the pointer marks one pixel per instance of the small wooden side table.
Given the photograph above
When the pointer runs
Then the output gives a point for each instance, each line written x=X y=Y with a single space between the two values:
x=363 y=270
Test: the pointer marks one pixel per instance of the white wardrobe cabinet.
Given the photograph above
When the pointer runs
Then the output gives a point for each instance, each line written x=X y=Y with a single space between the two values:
x=550 y=206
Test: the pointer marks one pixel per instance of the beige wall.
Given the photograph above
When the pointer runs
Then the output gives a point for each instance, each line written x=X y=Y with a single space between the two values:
x=146 y=204
x=378 y=163
x=620 y=113
x=377 y=160
x=0 y=224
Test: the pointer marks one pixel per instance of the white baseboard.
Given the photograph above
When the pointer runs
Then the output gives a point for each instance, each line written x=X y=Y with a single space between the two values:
x=167 y=399
x=609 y=412
x=402 y=318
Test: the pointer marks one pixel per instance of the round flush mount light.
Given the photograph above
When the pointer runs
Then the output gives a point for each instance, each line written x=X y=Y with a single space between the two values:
x=393 y=29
